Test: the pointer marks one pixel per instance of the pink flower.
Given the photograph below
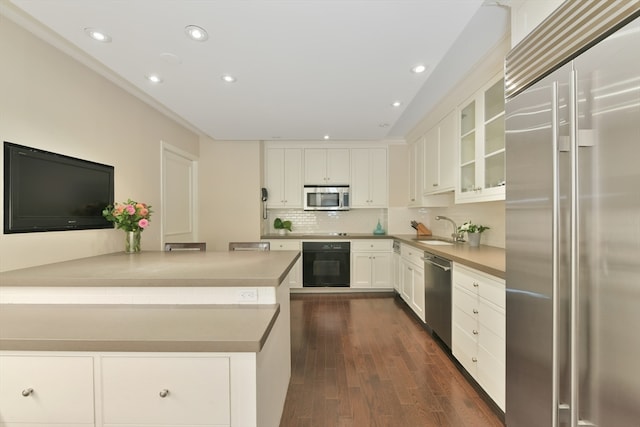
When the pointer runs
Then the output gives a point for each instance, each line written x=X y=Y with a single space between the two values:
x=143 y=223
x=144 y=211
x=130 y=209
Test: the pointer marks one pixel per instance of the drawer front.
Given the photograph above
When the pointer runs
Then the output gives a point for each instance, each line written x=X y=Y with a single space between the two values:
x=465 y=301
x=491 y=376
x=284 y=245
x=492 y=318
x=383 y=245
x=466 y=322
x=412 y=254
x=487 y=286
x=165 y=391
x=59 y=390
x=465 y=349
x=494 y=291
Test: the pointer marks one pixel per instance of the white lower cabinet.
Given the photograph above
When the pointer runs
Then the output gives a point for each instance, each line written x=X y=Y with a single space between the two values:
x=46 y=390
x=478 y=333
x=295 y=275
x=371 y=263
x=160 y=391
x=107 y=389
x=412 y=278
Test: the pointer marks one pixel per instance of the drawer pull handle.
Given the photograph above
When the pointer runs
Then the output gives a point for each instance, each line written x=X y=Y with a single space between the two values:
x=475 y=311
x=475 y=284
x=474 y=359
x=475 y=332
x=27 y=392
x=164 y=393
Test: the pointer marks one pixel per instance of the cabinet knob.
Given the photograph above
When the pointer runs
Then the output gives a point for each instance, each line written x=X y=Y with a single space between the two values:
x=435 y=184
x=475 y=311
x=27 y=392
x=474 y=359
x=164 y=393
x=475 y=332
x=476 y=284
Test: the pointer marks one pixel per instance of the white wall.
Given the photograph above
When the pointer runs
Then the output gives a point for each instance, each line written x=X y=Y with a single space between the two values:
x=53 y=102
x=230 y=205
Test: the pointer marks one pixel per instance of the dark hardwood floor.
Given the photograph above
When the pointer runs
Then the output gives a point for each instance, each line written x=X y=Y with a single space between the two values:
x=361 y=360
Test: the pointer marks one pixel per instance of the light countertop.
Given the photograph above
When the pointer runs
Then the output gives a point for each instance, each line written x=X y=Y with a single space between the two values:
x=488 y=259
x=150 y=268
x=136 y=328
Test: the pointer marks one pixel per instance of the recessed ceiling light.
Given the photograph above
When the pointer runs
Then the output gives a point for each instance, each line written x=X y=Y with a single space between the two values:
x=419 y=69
x=154 y=78
x=98 y=35
x=396 y=104
x=326 y=137
x=229 y=79
x=196 y=33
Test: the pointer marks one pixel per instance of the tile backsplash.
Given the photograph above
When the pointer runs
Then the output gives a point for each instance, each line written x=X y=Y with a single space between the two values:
x=325 y=222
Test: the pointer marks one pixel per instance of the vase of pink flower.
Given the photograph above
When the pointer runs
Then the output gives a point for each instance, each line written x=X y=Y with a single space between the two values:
x=132 y=217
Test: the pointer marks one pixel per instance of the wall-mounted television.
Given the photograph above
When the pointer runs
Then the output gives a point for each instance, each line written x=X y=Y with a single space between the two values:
x=45 y=191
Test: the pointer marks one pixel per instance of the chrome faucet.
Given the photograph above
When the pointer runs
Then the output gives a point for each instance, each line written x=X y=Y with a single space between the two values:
x=456 y=236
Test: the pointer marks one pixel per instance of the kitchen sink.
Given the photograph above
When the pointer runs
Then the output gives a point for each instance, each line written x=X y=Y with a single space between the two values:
x=436 y=243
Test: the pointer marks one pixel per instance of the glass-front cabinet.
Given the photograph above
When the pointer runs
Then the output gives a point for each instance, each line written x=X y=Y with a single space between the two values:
x=482 y=156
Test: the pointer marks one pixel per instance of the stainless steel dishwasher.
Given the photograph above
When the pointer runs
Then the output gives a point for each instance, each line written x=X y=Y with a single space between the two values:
x=437 y=296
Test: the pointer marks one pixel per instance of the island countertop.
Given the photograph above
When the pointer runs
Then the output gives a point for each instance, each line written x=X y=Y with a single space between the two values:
x=158 y=269
x=136 y=328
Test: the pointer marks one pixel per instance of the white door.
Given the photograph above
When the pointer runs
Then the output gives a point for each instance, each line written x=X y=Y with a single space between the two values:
x=179 y=208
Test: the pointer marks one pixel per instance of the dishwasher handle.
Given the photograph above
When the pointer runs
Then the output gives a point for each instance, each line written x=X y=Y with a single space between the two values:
x=444 y=267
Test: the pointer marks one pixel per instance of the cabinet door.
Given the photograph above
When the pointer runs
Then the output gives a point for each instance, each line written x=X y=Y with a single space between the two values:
x=274 y=177
x=447 y=146
x=338 y=166
x=283 y=177
x=315 y=166
x=416 y=151
x=378 y=180
x=47 y=390
x=481 y=145
x=369 y=177
x=293 y=178
x=406 y=281
x=381 y=270
x=431 y=160
x=361 y=269
x=418 y=292
x=360 y=178
x=166 y=391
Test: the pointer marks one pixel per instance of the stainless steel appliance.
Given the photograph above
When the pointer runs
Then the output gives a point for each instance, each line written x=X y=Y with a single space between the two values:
x=573 y=219
x=326 y=264
x=326 y=198
x=437 y=296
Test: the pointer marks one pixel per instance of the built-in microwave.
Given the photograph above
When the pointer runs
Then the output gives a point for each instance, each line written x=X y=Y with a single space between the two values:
x=326 y=198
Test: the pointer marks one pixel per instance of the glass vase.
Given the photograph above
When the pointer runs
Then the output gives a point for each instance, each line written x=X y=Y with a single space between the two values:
x=132 y=242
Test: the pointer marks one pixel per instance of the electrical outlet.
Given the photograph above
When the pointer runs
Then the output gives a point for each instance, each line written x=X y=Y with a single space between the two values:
x=247 y=295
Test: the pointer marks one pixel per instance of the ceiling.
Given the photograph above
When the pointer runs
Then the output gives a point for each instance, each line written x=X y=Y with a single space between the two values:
x=304 y=68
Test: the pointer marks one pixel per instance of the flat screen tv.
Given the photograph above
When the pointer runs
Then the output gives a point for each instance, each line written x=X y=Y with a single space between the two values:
x=45 y=191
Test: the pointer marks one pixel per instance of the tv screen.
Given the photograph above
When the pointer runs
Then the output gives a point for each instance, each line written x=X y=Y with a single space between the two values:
x=44 y=191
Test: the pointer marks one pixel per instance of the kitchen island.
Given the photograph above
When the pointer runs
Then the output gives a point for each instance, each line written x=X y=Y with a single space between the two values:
x=151 y=338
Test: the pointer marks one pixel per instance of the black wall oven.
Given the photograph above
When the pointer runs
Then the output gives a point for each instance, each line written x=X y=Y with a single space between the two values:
x=326 y=264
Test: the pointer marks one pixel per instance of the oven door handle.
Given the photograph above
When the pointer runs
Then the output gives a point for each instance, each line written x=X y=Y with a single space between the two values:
x=445 y=268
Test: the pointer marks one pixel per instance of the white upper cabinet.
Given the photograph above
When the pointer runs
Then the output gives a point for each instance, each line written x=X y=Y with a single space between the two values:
x=416 y=166
x=440 y=156
x=481 y=165
x=369 y=178
x=283 y=177
x=326 y=166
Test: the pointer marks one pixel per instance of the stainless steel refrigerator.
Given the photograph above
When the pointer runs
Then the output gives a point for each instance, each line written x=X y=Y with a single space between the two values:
x=572 y=126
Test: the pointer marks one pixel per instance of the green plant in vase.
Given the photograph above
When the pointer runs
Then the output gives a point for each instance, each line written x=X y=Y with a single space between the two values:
x=281 y=225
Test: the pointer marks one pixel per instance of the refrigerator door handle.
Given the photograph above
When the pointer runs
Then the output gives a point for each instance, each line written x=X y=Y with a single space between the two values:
x=574 y=257
x=555 y=370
